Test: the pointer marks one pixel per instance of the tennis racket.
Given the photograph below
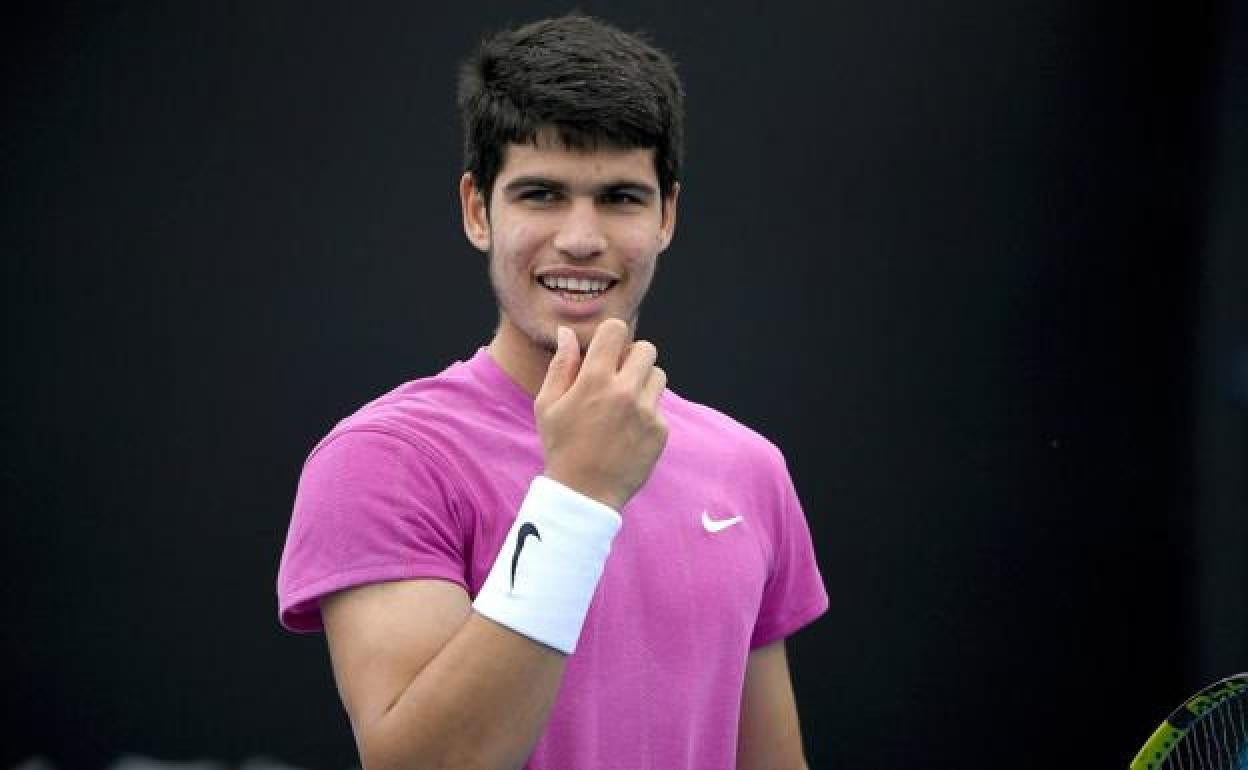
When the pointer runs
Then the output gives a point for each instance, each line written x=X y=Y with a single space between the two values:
x=1208 y=732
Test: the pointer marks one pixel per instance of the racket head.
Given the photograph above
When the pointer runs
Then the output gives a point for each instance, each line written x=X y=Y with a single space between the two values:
x=1221 y=697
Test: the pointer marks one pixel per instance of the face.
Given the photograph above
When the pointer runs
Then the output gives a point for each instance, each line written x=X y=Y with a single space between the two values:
x=573 y=237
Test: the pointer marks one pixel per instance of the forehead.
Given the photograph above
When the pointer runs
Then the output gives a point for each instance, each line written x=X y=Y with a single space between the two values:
x=555 y=160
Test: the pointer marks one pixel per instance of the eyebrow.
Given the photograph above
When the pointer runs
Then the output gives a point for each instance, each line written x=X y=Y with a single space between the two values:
x=619 y=185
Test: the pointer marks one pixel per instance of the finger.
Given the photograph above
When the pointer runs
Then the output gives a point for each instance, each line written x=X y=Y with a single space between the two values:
x=654 y=387
x=606 y=347
x=564 y=364
x=637 y=364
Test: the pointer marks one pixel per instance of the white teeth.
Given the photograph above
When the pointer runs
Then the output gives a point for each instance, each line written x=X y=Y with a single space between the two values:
x=591 y=285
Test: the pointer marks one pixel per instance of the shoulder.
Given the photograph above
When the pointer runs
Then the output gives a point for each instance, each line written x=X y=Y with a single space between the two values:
x=420 y=415
x=386 y=448
x=713 y=429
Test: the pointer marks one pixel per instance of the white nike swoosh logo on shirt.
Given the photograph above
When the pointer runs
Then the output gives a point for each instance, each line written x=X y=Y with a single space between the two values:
x=716 y=525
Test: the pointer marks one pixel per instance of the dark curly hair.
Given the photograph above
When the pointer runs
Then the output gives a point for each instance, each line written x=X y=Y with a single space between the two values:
x=589 y=82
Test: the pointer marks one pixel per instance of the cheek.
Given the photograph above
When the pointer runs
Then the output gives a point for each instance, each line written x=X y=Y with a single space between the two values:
x=639 y=253
x=517 y=245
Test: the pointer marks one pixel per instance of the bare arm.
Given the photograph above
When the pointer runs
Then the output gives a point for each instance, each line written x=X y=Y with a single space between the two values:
x=429 y=683
x=769 y=737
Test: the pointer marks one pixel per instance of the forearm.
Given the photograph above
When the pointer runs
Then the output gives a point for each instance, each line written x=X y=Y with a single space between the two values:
x=481 y=702
x=769 y=736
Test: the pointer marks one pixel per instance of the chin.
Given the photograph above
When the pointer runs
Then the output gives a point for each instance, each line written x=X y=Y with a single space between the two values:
x=546 y=344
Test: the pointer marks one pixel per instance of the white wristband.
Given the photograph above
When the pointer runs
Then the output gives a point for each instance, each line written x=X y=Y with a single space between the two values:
x=555 y=553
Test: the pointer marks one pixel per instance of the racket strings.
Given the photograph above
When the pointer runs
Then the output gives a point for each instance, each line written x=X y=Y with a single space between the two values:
x=1216 y=741
x=1240 y=726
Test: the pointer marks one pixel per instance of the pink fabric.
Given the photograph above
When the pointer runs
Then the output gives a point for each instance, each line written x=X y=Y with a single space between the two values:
x=425 y=481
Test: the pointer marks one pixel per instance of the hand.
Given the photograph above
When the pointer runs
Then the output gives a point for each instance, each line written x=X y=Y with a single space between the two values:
x=599 y=418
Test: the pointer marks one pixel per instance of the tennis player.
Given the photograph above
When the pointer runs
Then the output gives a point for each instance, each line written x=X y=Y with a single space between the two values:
x=542 y=556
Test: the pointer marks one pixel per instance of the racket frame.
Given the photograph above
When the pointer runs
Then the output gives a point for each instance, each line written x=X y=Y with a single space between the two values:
x=1180 y=721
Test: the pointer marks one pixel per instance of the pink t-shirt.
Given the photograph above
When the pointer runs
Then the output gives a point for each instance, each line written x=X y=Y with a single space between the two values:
x=425 y=482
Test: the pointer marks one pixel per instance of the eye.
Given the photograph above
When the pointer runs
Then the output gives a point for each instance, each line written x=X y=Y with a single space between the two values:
x=539 y=195
x=622 y=197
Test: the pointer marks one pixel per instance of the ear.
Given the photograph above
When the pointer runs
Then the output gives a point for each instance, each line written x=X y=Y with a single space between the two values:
x=476 y=218
x=668 y=227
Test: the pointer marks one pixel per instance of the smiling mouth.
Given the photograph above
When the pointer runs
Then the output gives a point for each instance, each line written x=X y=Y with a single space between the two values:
x=576 y=289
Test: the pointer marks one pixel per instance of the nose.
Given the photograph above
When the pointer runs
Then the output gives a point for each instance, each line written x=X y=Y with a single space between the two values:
x=580 y=233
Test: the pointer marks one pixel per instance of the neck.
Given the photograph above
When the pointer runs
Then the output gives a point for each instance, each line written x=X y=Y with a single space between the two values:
x=519 y=357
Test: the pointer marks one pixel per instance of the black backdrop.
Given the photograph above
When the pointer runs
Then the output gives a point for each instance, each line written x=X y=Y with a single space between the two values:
x=976 y=267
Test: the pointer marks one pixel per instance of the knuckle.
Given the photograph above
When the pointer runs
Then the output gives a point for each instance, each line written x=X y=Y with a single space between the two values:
x=591 y=376
x=622 y=396
x=660 y=429
x=656 y=419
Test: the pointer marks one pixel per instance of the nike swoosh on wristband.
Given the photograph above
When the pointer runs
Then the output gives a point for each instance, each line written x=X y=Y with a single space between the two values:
x=717 y=525
x=526 y=529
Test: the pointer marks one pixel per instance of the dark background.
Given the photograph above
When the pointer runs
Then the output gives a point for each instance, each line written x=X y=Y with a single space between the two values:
x=978 y=267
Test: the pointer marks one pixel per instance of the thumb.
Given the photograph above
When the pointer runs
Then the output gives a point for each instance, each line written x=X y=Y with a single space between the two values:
x=564 y=365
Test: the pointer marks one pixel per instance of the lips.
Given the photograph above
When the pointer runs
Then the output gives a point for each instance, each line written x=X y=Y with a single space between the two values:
x=576 y=293
x=575 y=284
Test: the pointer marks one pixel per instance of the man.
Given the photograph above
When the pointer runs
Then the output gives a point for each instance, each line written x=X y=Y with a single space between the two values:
x=542 y=556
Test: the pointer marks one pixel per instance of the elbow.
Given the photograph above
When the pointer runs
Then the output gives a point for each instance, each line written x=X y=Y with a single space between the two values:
x=379 y=753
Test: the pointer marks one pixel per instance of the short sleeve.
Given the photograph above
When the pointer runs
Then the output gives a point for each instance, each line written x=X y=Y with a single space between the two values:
x=371 y=506
x=794 y=594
